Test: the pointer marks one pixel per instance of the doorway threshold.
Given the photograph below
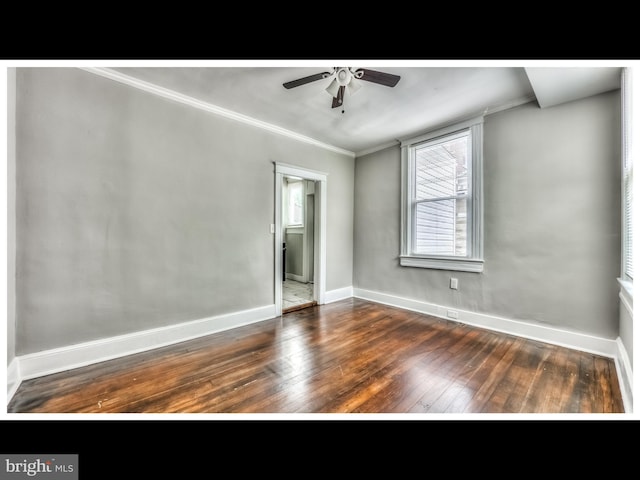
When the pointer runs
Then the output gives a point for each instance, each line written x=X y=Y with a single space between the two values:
x=295 y=308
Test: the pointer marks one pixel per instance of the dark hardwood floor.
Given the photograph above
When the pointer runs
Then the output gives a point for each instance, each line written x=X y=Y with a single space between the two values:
x=351 y=356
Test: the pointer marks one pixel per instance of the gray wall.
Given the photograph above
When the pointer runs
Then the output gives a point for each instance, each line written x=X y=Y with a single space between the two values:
x=552 y=221
x=295 y=251
x=135 y=212
x=11 y=213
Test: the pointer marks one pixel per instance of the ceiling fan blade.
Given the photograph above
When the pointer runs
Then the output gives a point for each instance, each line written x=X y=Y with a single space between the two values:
x=305 y=80
x=382 y=78
x=338 y=99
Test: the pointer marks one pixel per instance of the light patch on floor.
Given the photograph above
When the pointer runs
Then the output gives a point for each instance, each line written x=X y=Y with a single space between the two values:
x=296 y=293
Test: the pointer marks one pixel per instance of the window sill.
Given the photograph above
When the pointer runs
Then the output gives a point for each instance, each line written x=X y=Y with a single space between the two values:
x=626 y=290
x=294 y=230
x=444 y=263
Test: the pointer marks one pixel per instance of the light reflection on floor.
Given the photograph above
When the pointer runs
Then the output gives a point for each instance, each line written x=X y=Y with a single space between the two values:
x=447 y=394
x=297 y=359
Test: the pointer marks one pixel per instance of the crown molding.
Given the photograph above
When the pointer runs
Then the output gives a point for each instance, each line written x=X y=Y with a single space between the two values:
x=383 y=146
x=488 y=111
x=209 y=107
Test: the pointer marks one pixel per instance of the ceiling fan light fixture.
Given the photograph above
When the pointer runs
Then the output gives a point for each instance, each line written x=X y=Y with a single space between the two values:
x=333 y=88
x=353 y=86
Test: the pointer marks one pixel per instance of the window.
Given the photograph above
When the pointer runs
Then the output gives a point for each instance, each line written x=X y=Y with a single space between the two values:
x=295 y=217
x=442 y=199
x=627 y=180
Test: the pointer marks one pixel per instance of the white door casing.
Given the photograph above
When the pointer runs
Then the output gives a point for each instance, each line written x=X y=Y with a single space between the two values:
x=320 y=253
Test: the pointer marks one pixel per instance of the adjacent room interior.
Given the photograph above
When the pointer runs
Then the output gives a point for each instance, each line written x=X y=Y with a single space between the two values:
x=401 y=238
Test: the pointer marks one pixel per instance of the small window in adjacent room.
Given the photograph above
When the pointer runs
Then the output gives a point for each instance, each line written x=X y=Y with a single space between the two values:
x=442 y=199
x=295 y=213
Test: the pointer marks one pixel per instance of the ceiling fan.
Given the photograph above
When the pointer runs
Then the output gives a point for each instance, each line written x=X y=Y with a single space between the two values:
x=346 y=78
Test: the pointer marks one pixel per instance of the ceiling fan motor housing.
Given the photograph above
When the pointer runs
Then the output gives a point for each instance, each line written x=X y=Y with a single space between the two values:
x=343 y=76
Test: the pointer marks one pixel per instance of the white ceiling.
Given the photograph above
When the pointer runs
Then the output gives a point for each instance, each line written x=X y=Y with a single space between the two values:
x=376 y=115
x=554 y=86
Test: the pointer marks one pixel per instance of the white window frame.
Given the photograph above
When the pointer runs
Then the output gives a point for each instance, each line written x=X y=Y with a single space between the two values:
x=473 y=261
x=626 y=277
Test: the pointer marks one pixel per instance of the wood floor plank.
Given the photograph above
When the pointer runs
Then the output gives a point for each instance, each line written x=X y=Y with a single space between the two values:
x=479 y=376
x=607 y=383
x=404 y=385
x=351 y=356
x=379 y=375
x=527 y=375
x=444 y=372
x=305 y=391
x=492 y=394
x=458 y=392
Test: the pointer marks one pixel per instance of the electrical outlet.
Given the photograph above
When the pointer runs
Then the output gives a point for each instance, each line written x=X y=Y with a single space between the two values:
x=453 y=283
x=452 y=314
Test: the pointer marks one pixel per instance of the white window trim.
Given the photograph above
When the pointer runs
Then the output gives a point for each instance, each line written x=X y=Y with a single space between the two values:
x=474 y=262
x=628 y=152
x=626 y=290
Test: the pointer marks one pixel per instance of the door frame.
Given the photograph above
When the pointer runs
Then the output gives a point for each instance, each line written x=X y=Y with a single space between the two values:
x=319 y=234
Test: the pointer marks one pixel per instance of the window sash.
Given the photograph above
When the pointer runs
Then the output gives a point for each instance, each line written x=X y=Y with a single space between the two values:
x=417 y=201
x=409 y=256
x=457 y=248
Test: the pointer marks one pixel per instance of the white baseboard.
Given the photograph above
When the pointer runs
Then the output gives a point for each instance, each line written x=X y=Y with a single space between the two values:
x=297 y=278
x=74 y=356
x=338 y=294
x=574 y=340
x=65 y=358
x=13 y=379
x=625 y=376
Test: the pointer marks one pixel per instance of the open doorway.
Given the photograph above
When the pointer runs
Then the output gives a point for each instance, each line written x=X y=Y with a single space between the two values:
x=300 y=238
x=298 y=222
